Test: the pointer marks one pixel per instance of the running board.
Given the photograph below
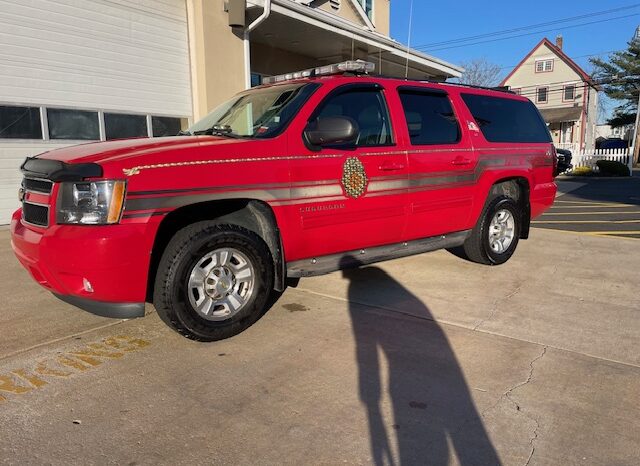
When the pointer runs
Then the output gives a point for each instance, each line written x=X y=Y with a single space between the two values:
x=351 y=259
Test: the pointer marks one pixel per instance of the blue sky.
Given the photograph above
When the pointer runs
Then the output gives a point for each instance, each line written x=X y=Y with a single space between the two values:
x=443 y=21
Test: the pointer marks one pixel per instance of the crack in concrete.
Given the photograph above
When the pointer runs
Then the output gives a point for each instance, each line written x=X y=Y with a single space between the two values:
x=507 y=396
x=496 y=304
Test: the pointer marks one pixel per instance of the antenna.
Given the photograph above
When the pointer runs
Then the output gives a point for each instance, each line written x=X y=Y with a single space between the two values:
x=406 y=69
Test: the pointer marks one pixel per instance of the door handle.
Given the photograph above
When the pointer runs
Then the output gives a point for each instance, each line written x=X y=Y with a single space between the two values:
x=391 y=166
x=461 y=161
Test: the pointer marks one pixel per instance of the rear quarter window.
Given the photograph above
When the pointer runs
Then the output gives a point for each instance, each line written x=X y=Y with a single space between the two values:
x=507 y=120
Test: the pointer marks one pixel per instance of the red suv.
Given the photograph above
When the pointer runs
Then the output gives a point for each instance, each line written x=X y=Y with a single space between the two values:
x=295 y=178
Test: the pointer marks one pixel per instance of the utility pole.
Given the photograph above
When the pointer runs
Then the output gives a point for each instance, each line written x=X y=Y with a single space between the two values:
x=636 y=139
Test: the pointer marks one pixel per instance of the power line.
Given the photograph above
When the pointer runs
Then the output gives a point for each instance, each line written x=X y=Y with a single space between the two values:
x=573 y=58
x=422 y=48
x=524 y=28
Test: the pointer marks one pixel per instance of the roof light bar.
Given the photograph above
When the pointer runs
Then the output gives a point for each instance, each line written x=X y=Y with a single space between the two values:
x=349 y=66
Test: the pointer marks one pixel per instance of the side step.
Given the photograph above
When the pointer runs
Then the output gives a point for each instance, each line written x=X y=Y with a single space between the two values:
x=350 y=259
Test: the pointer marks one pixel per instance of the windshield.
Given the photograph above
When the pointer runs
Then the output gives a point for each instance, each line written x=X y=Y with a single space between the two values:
x=259 y=113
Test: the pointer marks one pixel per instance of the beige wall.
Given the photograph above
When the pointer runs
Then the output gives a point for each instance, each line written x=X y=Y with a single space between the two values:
x=216 y=54
x=271 y=61
x=346 y=11
x=382 y=16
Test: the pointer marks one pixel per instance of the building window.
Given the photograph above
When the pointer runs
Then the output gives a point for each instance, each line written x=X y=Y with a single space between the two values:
x=542 y=95
x=569 y=93
x=73 y=124
x=166 y=126
x=122 y=125
x=544 y=66
x=20 y=123
x=367 y=5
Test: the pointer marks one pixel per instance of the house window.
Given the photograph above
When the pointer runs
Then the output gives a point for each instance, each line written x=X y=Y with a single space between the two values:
x=544 y=66
x=569 y=93
x=367 y=5
x=73 y=124
x=20 y=122
x=166 y=126
x=542 y=95
x=122 y=125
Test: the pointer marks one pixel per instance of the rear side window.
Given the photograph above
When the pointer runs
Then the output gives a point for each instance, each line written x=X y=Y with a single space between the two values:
x=507 y=120
x=430 y=117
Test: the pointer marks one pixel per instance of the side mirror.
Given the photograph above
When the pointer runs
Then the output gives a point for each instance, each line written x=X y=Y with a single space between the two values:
x=330 y=131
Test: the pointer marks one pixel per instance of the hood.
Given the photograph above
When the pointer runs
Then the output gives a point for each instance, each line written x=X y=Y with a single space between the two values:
x=123 y=150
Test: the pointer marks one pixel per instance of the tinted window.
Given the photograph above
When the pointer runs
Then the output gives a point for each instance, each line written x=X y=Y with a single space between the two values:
x=122 y=125
x=166 y=126
x=367 y=107
x=430 y=118
x=507 y=120
x=20 y=123
x=72 y=124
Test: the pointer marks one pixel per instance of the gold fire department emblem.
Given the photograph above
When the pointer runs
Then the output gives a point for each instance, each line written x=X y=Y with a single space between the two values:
x=354 y=178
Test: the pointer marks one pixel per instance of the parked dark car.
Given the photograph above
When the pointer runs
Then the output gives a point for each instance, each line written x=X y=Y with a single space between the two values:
x=612 y=143
x=564 y=160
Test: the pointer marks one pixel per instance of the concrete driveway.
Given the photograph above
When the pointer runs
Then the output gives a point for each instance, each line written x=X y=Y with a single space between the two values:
x=424 y=360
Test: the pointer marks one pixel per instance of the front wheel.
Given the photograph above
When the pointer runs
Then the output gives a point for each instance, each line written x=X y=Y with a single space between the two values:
x=495 y=237
x=213 y=281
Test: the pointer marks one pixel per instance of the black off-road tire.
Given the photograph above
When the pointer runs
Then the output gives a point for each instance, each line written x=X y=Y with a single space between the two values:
x=185 y=249
x=476 y=248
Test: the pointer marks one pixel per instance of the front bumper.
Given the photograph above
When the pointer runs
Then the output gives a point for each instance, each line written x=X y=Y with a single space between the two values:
x=112 y=259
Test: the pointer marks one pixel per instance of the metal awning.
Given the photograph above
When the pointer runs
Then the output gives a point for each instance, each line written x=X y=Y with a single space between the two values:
x=312 y=33
x=558 y=115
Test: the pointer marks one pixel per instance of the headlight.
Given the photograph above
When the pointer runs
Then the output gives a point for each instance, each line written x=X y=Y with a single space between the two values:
x=90 y=203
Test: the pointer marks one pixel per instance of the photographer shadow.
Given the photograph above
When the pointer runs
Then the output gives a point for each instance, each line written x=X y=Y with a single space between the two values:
x=431 y=407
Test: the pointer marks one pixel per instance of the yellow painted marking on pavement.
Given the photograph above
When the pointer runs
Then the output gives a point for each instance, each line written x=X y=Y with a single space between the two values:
x=592 y=213
x=594 y=206
x=23 y=380
x=591 y=203
x=590 y=234
x=32 y=379
x=586 y=221
x=624 y=232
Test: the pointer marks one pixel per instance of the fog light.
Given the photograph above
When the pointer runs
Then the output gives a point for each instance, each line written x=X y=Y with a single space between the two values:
x=87 y=285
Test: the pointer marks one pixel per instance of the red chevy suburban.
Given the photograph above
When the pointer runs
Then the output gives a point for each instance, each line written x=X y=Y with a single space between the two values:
x=309 y=173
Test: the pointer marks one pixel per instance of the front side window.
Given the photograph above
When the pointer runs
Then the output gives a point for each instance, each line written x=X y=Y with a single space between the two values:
x=507 y=120
x=259 y=113
x=20 y=123
x=368 y=108
x=430 y=118
x=542 y=95
x=73 y=124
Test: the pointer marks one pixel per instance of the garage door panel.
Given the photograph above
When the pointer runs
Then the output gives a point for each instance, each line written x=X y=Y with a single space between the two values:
x=115 y=55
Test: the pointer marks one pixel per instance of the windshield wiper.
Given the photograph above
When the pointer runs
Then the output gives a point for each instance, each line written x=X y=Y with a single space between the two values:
x=218 y=130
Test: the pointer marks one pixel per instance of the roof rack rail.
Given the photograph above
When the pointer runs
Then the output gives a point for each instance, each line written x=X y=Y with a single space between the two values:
x=487 y=88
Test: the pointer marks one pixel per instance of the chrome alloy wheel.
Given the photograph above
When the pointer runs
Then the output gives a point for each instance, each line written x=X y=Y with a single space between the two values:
x=221 y=284
x=501 y=231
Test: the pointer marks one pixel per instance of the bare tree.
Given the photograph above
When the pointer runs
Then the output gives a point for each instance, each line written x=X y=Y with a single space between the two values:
x=480 y=72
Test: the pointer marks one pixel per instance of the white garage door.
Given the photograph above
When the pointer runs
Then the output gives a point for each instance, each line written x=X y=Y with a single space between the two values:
x=87 y=59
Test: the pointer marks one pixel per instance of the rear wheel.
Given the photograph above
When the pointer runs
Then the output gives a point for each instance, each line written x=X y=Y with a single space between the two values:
x=213 y=281
x=495 y=237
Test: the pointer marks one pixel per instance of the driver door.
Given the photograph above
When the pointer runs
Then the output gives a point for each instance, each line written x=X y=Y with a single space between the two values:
x=353 y=196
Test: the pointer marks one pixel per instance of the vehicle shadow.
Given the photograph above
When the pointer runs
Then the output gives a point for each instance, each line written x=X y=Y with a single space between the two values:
x=431 y=407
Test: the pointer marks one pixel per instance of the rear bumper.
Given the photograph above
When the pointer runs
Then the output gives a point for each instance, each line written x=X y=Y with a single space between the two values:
x=542 y=197
x=102 y=269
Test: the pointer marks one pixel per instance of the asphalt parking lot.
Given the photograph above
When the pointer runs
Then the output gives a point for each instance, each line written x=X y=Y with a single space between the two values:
x=597 y=207
x=423 y=360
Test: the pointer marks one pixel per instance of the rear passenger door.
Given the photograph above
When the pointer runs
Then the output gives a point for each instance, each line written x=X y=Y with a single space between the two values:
x=441 y=161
